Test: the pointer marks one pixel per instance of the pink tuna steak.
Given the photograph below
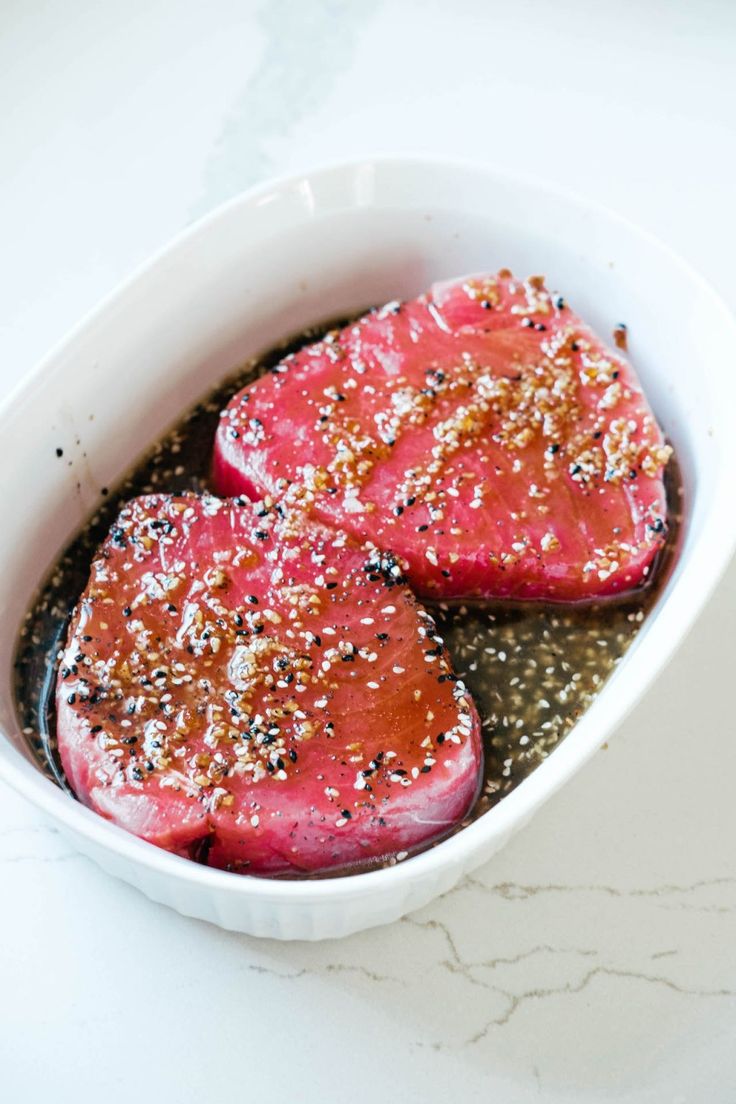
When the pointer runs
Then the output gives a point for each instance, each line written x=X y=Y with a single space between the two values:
x=260 y=694
x=482 y=432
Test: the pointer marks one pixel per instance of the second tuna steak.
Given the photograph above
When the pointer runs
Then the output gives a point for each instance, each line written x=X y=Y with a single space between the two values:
x=482 y=432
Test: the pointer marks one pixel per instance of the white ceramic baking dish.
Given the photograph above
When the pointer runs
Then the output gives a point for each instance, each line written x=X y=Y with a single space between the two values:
x=263 y=267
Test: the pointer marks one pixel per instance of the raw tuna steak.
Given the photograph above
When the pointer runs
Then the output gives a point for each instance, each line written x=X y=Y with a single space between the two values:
x=482 y=432
x=260 y=693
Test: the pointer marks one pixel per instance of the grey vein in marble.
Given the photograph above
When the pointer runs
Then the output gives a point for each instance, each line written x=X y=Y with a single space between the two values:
x=290 y=84
x=513 y=891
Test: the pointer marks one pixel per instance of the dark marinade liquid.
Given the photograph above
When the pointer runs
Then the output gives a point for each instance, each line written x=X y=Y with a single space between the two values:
x=533 y=668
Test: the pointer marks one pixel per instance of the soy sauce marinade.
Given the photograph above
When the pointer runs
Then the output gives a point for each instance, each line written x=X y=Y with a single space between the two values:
x=533 y=668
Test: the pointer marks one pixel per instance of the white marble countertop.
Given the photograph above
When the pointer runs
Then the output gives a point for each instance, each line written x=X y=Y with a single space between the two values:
x=595 y=958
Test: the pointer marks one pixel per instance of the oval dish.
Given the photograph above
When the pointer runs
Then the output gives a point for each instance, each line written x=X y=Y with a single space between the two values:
x=265 y=266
